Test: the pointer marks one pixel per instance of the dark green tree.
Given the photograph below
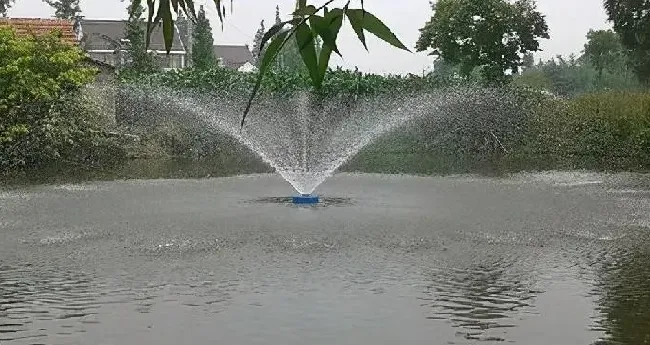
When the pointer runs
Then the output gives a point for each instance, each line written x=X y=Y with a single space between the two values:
x=491 y=35
x=65 y=9
x=631 y=19
x=203 y=47
x=137 y=57
x=604 y=51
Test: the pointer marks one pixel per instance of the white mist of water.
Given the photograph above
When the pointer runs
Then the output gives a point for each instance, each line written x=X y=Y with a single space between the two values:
x=303 y=139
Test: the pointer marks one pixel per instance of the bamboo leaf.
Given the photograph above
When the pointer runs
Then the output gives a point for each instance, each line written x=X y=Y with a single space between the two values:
x=375 y=26
x=168 y=24
x=274 y=30
x=305 y=11
x=305 y=41
x=175 y=5
x=190 y=7
x=150 y=5
x=269 y=56
x=336 y=19
x=355 y=17
x=326 y=27
x=219 y=11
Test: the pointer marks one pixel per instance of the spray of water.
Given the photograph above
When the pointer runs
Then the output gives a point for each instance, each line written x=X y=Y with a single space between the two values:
x=303 y=138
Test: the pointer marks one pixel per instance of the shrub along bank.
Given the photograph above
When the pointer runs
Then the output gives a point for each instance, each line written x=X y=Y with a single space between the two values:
x=44 y=118
x=511 y=128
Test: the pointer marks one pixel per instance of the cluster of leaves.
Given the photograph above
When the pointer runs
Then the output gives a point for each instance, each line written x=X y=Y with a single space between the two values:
x=491 y=35
x=41 y=118
x=337 y=82
x=603 y=130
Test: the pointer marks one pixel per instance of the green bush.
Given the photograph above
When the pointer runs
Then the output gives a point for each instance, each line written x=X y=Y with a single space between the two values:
x=604 y=130
x=42 y=117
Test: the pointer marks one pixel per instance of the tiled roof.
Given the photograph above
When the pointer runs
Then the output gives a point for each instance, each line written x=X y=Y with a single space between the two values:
x=41 y=26
x=233 y=56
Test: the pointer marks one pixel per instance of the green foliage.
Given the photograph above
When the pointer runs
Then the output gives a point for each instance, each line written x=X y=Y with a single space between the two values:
x=603 y=130
x=41 y=119
x=337 y=83
x=202 y=50
x=491 y=35
x=631 y=20
x=604 y=51
x=65 y=9
x=576 y=76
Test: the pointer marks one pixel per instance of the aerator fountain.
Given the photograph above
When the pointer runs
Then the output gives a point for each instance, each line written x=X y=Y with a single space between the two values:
x=305 y=199
x=305 y=139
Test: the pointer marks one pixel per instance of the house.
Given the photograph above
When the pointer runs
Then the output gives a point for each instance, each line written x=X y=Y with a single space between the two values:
x=233 y=56
x=102 y=40
x=42 y=26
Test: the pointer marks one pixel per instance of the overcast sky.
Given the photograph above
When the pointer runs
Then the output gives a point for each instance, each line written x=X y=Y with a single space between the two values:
x=568 y=20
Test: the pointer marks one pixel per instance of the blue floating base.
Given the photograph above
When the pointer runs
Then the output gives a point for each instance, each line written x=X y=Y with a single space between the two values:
x=305 y=199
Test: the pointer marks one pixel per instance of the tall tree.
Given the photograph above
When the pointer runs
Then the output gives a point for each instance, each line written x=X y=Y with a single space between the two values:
x=203 y=46
x=603 y=50
x=65 y=9
x=137 y=56
x=257 y=44
x=492 y=35
x=631 y=20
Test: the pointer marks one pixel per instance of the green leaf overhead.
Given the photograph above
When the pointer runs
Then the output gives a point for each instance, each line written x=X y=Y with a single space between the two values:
x=305 y=11
x=326 y=27
x=335 y=17
x=271 y=51
x=150 y=14
x=168 y=25
x=355 y=17
x=219 y=11
x=274 y=30
x=375 y=26
x=305 y=41
x=190 y=7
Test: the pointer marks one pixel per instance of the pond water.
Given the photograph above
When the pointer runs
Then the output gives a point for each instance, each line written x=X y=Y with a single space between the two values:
x=554 y=258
